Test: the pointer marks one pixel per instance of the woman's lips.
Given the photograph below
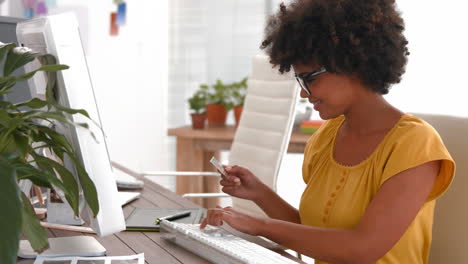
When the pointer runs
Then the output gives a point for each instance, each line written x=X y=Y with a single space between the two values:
x=316 y=104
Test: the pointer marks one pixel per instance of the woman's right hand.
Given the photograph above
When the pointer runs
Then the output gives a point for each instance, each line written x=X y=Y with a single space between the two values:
x=242 y=183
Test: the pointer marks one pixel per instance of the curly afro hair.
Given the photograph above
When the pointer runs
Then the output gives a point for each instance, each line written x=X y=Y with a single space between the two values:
x=360 y=37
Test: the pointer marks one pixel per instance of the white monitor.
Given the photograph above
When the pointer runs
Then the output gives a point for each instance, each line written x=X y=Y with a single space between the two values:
x=59 y=35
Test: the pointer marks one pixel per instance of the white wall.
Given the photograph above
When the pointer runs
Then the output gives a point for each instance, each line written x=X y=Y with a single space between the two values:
x=435 y=80
x=129 y=74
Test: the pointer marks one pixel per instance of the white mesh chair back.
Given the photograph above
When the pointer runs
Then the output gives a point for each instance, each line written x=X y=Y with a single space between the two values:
x=450 y=229
x=262 y=136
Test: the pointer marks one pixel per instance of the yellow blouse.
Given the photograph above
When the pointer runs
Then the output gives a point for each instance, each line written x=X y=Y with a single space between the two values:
x=336 y=196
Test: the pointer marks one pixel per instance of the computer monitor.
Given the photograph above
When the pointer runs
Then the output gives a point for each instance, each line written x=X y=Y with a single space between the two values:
x=59 y=35
x=20 y=92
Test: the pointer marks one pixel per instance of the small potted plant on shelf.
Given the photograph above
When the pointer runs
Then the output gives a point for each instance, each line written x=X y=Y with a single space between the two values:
x=197 y=104
x=303 y=113
x=239 y=91
x=218 y=102
x=25 y=131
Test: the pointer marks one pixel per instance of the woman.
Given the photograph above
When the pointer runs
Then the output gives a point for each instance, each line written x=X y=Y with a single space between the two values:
x=372 y=172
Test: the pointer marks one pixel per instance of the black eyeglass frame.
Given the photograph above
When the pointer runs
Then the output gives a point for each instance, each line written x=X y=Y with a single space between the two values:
x=307 y=77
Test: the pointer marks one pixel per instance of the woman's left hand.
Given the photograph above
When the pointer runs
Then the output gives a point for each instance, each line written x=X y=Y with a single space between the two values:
x=242 y=222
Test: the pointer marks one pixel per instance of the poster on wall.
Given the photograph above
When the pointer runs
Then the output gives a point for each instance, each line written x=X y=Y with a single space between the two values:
x=118 y=18
x=33 y=8
x=36 y=8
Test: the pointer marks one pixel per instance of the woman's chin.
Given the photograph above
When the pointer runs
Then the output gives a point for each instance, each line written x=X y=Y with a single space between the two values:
x=326 y=116
x=323 y=115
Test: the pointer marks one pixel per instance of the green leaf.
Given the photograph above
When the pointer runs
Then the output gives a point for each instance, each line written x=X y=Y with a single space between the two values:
x=72 y=111
x=17 y=60
x=4 y=118
x=4 y=92
x=35 y=176
x=69 y=187
x=51 y=87
x=22 y=143
x=10 y=218
x=6 y=86
x=59 y=151
x=5 y=104
x=56 y=137
x=48 y=115
x=59 y=117
x=47 y=171
x=88 y=187
x=5 y=48
x=27 y=171
x=45 y=68
x=34 y=103
x=32 y=229
x=6 y=145
x=12 y=125
x=6 y=79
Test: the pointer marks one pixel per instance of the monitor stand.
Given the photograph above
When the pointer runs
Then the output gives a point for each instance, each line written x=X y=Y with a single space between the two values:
x=77 y=246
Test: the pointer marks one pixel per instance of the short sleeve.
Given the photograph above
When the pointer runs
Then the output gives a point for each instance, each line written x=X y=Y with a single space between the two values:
x=414 y=143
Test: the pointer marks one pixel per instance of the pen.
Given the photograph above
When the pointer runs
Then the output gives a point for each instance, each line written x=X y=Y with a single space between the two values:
x=172 y=217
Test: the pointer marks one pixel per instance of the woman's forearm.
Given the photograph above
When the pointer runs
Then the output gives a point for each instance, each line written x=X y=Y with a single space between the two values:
x=338 y=246
x=275 y=207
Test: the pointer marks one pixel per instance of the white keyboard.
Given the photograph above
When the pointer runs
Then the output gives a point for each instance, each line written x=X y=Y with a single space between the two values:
x=219 y=246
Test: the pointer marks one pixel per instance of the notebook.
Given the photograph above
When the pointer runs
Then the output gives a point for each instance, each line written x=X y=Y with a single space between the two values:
x=142 y=219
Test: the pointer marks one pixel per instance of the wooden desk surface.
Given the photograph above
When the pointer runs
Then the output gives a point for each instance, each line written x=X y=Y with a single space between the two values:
x=156 y=249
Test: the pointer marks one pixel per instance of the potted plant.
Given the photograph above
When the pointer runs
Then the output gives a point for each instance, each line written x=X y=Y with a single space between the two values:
x=197 y=104
x=303 y=113
x=22 y=139
x=218 y=102
x=239 y=91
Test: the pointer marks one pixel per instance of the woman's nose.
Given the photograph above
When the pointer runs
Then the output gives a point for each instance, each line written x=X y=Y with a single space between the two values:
x=303 y=94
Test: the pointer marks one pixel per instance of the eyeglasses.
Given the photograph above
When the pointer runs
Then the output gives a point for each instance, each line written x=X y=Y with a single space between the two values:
x=306 y=78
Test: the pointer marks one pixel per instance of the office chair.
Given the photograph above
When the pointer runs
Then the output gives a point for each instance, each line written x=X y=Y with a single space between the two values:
x=450 y=229
x=262 y=136
x=263 y=133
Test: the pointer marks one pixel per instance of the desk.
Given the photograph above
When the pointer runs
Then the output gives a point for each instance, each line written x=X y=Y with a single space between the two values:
x=156 y=249
x=195 y=147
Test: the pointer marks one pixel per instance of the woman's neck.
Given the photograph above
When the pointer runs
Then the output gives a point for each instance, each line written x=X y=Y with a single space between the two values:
x=372 y=114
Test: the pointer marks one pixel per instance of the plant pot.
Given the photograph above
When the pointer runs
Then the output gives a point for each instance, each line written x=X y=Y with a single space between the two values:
x=216 y=115
x=237 y=113
x=198 y=121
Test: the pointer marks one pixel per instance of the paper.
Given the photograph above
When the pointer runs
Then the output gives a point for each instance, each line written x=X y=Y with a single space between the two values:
x=28 y=12
x=133 y=259
x=114 y=28
x=29 y=3
x=121 y=14
x=41 y=8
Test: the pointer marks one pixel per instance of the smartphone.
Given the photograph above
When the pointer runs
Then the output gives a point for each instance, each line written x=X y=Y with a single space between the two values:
x=218 y=166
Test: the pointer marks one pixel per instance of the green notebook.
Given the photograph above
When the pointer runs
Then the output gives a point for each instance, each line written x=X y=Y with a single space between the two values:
x=142 y=219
